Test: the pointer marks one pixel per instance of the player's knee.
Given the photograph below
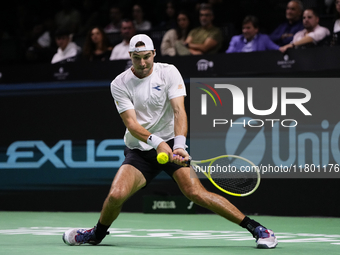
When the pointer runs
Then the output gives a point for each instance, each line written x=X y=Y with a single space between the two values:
x=194 y=195
x=118 y=196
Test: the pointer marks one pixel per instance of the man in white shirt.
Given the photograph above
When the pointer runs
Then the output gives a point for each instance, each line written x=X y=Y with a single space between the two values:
x=313 y=32
x=67 y=50
x=150 y=100
x=121 y=50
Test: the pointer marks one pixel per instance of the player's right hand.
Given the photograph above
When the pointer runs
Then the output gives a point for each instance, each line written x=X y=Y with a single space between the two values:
x=181 y=157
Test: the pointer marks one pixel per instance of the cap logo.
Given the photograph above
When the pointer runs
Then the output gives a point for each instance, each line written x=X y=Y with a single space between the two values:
x=138 y=49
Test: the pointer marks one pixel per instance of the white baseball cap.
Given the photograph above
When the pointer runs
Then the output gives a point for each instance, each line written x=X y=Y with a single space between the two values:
x=141 y=38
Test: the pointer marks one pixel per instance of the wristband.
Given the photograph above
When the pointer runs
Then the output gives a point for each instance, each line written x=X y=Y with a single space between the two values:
x=179 y=142
x=154 y=141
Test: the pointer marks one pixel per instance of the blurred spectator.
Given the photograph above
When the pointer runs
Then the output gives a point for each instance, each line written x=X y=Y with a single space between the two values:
x=42 y=46
x=96 y=46
x=67 y=50
x=284 y=33
x=177 y=35
x=68 y=17
x=311 y=35
x=169 y=16
x=138 y=14
x=206 y=39
x=251 y=40
x=116 y=15
x=336 y=29
x=329 y=6
x=121 y=50
x=89 y=16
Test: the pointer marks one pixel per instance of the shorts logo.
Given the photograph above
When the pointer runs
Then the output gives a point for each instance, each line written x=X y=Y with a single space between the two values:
x=157 y=88
x=150 y=138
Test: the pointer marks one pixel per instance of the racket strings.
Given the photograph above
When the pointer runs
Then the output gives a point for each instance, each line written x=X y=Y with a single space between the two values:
x=234 y=175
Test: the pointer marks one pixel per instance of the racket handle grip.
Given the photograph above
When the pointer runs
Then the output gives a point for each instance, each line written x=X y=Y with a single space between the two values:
x=186 y=162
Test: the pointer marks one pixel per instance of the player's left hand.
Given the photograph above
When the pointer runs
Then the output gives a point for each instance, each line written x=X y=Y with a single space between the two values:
x=181 y=157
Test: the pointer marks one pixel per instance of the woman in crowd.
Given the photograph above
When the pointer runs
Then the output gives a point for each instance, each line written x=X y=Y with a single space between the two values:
x=96 y=46
x=336 y=29
x=178 y=35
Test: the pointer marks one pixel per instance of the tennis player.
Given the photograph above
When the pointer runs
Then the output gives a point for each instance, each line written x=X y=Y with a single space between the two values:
x=150 y=100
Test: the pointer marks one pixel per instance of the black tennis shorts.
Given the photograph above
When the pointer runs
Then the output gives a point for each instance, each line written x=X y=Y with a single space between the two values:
x=146 y=162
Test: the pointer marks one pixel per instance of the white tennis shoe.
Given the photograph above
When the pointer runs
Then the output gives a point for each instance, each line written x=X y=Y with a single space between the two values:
x=78 y=236
x=265 y=238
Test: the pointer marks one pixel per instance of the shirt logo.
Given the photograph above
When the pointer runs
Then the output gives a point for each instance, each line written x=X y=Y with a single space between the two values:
x=180 y=86
x=157 y=87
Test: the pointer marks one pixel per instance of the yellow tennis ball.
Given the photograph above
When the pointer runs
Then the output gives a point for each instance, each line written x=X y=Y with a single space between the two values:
x=162 y=158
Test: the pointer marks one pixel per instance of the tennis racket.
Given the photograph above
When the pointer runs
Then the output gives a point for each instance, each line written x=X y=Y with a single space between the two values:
x=234 y=175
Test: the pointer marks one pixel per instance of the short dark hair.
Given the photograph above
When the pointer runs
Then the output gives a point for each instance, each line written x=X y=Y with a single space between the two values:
x=139 y=44
x=127 y=20
x=252 y=19
x=206 y=7
x=314 y=10
x=62 y=32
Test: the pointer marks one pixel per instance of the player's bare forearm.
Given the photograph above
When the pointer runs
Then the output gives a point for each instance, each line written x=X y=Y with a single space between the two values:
x=181 y=128
x=181 y=121
x=139 y=132
x=131 y=123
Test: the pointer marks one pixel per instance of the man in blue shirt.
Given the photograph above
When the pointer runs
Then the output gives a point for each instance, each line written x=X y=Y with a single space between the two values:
x=284 y=33
x=251 y=40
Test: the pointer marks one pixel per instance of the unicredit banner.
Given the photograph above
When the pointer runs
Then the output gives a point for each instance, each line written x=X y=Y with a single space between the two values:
x=288 y=127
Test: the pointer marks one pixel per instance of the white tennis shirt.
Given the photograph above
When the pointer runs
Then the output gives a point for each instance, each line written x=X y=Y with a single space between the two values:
x=150 y=98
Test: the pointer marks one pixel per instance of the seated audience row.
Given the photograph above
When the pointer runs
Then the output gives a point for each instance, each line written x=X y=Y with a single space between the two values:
x=312 y=34
x=295 y=32
x=96 y=46
x=207 y=38
x=251 y=40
